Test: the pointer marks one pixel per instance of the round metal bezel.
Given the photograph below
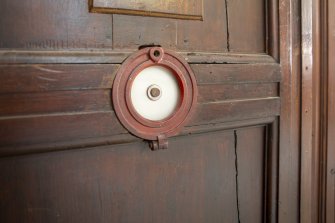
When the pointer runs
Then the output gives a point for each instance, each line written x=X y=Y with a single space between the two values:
x=132 y=66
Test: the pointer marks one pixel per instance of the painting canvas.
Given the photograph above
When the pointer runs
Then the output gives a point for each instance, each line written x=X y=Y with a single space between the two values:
x=180 y=9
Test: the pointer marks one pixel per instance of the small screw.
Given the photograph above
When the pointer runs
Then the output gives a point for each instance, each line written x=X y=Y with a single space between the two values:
x=154 y=92
x=157 y=53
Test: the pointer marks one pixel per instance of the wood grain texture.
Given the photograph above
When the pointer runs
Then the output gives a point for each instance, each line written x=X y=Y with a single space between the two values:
x=250 y=164
x=221 y=92
x=272 y=29
x=330 y=172
x=208 y=35
x=272 y=172
x=58 y=127
x=246 y=25
x=216 y=112
x=118 y=56
x=132 y=32
x=43 y=78
x=70 y=26
x=65 y=157
x=57 y=77
x=54 y=105
x=189 y=9
x=14 y=104
x=125 y=183
x=310 y=111
x=24 y=149
x=324 y=83
x=289 y=157
x=64 y=128
x=237 y=73
x=62 y=24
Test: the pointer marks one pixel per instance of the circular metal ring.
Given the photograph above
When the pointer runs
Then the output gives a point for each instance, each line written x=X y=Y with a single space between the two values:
x=123 y=107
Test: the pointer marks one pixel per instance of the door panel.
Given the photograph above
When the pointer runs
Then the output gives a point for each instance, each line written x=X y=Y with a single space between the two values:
x=155 y=31
x=128 y=183
x=68 y=105
x=41 y=25
x=247 y=30
x=209 y=35
x=67 y=24
x=200 y=178
x=250 y=154
x=64 y=155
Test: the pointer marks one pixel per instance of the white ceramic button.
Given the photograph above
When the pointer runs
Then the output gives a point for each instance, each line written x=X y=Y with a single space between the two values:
x=155 y=93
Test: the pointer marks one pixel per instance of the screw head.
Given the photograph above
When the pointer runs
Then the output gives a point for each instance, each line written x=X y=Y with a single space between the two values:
x=154 y=92
x=157 y=53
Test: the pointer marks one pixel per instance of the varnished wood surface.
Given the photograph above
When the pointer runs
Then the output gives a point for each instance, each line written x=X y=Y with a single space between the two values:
x=62 y=155
x=220 y=92
x=289 y=156
x=128 y=34
x=39 y=102
x=53 y=25
x=250 y=163
x=324 y=63
x=44 y=78
x=208 y=35
x=330 y=171
x=311 y=111
x=317 y=180
x=69 y=25
x=129 y=183
x=249 y=35
x=117 y=57
x=15 y=104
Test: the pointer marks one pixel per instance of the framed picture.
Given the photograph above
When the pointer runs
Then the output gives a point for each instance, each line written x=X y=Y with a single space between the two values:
x=179 y=9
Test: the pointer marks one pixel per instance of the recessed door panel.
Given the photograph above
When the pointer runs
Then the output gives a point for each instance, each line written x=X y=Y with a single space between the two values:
x=200 y=178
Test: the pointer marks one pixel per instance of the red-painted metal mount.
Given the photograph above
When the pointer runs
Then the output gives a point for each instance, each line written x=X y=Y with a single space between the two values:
x=155 y=131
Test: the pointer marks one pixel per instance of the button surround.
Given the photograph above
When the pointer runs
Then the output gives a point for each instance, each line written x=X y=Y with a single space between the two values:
x=123 y=107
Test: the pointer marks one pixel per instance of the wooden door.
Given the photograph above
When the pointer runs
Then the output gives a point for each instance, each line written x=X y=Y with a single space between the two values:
x=329 y=198
x=318 y=117
x=65 y=157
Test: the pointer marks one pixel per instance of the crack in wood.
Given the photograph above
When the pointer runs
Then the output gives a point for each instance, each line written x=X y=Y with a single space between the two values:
x=236 y=177
x=227 y=21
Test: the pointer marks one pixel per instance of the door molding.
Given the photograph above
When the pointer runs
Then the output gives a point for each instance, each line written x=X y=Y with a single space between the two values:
x=314 y=111
x=289 y=144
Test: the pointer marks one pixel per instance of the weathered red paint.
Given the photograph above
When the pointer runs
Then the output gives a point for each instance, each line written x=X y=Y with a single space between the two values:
x=131 y=120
